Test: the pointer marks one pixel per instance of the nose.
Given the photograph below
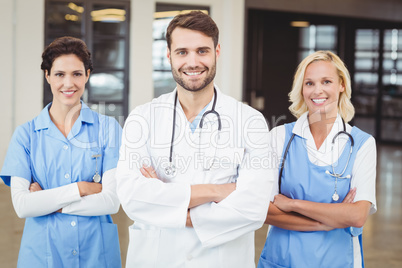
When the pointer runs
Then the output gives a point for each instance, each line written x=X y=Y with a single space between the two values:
x=318 y=88
x=68 y=81
x=192 y=60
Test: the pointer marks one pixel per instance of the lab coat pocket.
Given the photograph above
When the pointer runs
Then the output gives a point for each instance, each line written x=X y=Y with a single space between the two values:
x=143 y=247
x=111 y=245
x=225 y=165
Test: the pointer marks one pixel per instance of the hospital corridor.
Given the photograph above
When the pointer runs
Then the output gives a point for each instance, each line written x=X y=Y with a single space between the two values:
x=382 y=233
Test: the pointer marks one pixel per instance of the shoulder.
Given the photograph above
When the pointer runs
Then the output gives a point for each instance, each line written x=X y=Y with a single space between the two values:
x=146 y=109
x=278 y=131
x=240 y=113
x=23 y=132
x=106 y=121
x=362 y=138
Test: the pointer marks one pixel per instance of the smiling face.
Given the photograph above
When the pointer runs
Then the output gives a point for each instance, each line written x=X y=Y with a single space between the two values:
x=193 y=58
x=67 y=79
x=321 y=89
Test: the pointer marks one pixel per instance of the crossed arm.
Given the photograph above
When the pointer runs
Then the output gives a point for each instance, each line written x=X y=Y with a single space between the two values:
x=81 y=198
x=302 y=215
x=200 y=193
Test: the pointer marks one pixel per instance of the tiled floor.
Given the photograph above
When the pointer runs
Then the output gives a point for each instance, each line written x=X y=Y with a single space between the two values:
x=382 y=232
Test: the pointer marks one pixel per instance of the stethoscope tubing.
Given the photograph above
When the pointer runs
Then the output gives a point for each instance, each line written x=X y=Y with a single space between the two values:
x=213 y=111
x=336 y=175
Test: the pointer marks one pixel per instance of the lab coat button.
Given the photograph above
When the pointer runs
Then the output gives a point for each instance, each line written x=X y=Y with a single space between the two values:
x=65 y=147
x=67 y=176
x=189 y=257
x=73 y=223
x=74 y=252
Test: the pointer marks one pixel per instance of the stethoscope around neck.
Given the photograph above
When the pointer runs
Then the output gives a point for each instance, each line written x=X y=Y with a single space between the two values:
x=337 y=176
x=170 y=169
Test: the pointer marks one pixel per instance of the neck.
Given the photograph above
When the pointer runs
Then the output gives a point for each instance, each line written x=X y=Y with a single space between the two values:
x=320 y=127
x=64 y=117
x=193 y=102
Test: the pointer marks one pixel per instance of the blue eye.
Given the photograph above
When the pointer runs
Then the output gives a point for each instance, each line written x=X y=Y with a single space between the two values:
x=309 y=84
x=181 y=53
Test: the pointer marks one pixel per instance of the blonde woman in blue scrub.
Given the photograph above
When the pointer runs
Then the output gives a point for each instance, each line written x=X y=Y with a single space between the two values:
x=325 y=186
x=61 y=167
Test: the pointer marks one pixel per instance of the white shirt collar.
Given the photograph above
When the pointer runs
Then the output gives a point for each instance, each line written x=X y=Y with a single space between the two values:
x=302 y=129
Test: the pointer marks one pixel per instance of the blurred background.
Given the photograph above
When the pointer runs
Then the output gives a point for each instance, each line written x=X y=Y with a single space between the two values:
x=262 y=43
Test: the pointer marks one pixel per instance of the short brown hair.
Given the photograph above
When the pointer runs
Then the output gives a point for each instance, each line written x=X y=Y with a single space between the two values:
x=194 y=20
x=66 y=45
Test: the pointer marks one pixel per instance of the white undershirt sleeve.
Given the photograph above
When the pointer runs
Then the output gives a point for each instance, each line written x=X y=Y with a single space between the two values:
x=364 y=173
x=40 y=203
x=103 y=203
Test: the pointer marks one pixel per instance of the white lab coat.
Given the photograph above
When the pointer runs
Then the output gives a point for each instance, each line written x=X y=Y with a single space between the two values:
x=223 y=233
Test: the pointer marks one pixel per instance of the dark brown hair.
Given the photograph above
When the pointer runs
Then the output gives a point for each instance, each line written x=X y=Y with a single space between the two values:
x=194 y=20
x=66 y=45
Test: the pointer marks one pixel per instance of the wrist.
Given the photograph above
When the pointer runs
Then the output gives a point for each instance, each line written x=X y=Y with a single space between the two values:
x=215 y=192
x=80 y=185
x=294 y=205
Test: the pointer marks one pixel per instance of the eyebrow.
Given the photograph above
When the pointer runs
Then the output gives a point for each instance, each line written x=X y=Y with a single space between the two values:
x=75 y=71
x=198 y=48
x=326 y=77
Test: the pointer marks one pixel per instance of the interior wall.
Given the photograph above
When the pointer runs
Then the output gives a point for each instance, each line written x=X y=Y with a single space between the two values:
x=22 y=34
x=369 y=9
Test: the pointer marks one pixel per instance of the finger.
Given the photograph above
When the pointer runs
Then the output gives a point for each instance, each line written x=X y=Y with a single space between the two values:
x=350 y=196
x=151 y=171
x=145 y=173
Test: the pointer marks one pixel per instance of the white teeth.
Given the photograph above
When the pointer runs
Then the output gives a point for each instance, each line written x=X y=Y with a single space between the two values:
x=318 y=101
x=195 y=73
x=68 y=92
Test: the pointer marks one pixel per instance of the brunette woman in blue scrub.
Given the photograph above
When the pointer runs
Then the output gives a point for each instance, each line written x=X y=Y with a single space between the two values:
x=326 y=188
x=61 y=167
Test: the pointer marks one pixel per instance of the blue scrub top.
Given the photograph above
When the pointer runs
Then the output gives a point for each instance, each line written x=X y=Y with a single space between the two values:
x=39 y=152
x=301 y=179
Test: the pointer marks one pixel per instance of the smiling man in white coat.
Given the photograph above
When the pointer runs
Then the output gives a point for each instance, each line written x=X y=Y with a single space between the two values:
x=193 y=171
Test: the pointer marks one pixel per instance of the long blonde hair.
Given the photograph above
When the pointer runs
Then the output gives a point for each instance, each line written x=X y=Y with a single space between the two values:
x=345 y=106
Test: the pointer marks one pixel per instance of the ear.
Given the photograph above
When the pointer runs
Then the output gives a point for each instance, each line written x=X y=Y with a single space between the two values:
x=88 y=73
x=218 y=51
x=168 y=53
x=342 y=87
x=47 y=76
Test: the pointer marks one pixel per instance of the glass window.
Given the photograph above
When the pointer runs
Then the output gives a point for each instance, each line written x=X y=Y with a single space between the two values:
x=106 y=86
x=392 y=40
x=367 y=39
x=109 y=20
x=391 y=129
x=103 y=25
x=65 y=17
x=317 y=37
x=365 y=124
x=111 y=109
x=109 y=53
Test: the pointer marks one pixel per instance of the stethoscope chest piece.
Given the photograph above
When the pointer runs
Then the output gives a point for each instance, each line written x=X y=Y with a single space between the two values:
x=170 y=170
x=96 y=178
x=335 y=197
